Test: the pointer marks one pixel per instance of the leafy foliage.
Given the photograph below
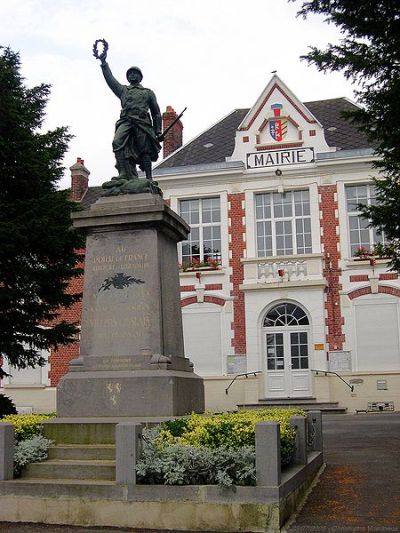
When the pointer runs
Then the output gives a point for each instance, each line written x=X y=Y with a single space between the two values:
x=210 y=449
x=232 y=430
x=7 y=407
x=32 y=450
x=369 y=56
x=26 y=426
x=179 y=464
x=38 y=243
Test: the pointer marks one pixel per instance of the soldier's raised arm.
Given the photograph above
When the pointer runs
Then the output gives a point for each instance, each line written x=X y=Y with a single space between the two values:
x=114 y=84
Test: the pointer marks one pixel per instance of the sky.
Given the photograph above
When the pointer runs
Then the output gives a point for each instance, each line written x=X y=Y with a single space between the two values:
x=211 y=56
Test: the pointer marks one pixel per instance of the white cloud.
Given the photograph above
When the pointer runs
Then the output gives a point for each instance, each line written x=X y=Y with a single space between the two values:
x=211 y=56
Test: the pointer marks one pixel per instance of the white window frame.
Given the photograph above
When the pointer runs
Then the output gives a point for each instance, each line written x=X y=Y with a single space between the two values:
x=201 y=225
x=373 y=237
x=292 y=219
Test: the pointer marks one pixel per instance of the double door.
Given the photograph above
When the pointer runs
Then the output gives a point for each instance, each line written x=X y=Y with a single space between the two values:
x=287 y=368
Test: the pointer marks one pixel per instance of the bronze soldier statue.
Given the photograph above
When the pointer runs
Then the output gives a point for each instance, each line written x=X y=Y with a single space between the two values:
x=138 y=131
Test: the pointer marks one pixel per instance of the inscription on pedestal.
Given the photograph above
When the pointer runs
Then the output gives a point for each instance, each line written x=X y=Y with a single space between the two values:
x=121 y=274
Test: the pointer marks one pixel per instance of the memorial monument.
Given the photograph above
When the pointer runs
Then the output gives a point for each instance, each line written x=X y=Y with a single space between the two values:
x=132 y=361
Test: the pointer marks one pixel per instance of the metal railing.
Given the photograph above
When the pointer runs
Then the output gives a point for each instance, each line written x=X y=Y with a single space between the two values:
x=326 y=372
x=246 y=374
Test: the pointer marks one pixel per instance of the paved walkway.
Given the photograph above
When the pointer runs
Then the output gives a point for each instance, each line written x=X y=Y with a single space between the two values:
x=359 y=490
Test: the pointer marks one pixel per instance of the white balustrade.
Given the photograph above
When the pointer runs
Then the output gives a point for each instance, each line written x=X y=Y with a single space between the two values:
x=283 y=269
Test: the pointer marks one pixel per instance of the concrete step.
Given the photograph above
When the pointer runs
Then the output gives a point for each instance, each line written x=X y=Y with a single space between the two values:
x=58 y=469
x=82 y=452
x=305 y=404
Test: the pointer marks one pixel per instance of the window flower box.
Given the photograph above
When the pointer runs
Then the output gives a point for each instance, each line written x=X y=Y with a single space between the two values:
x=197 y=264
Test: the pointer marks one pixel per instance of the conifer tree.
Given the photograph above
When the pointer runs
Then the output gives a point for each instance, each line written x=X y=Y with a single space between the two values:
x=37 y=241
x=369 y=56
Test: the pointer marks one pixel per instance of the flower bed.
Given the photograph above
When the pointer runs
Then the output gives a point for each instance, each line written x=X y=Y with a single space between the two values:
x=210 y=449
x=30 y=445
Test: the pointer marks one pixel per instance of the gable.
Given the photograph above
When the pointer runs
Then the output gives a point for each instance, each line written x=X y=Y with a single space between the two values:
x=279 y=123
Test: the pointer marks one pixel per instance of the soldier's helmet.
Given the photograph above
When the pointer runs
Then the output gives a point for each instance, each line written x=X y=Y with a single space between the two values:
x=137 y=70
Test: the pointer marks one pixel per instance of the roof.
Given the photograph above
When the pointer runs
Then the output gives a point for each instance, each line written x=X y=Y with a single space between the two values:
x=345 y=136
x=91 y=196
x=218 y=142
x=212 y=146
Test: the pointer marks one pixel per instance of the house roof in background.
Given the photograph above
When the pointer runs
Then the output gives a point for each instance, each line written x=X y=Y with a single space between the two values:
x=218 y=142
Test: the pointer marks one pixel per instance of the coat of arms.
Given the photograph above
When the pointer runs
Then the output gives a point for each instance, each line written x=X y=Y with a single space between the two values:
x=277 y=124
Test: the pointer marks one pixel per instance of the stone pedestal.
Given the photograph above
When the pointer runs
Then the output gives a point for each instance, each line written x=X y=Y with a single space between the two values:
x=132 y=359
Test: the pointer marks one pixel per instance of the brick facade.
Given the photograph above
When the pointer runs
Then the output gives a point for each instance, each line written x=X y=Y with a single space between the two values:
x=330 y=244
x=60 y=359
x=173 y=139
x=237 y=246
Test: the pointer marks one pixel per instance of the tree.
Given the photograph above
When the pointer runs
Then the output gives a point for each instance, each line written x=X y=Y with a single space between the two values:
x=37 y=241
x=369 y=56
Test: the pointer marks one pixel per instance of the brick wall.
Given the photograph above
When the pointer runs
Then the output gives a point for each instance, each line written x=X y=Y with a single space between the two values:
x=173 y=139
x=59 y=359
x=330 y=243
x=237 y=245
x=79 y=180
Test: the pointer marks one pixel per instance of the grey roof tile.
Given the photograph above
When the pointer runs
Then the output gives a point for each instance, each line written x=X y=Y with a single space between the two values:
x=339 y=132
x=212 y=146
x=217 y=143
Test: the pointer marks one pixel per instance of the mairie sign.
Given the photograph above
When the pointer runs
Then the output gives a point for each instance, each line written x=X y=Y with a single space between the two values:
x=278 y=158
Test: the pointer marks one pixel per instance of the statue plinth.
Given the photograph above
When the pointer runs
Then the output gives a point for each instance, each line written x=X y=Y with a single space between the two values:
x=132 y=360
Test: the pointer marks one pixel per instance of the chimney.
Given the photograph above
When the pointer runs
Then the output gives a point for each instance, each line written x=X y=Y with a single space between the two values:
x=173 y=139
x=79 y=180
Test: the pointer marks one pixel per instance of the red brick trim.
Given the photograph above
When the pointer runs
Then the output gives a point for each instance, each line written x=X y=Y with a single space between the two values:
x=359 y=277
x=208 y=287
x=214 y=300
x=237 y=247
x=382 y=289
x=388 y=276
x=389 y=290
x=189 y=301
x=187 y=288
x=287 y=97
x=332 y=272
x=279 y=146
x=209 y=299
x=214 y=287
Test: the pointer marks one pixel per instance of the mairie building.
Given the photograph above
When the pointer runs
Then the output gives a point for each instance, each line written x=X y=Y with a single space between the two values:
x=287 y=297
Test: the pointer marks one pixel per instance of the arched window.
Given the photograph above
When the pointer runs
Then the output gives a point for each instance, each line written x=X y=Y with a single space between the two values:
x=286 y=314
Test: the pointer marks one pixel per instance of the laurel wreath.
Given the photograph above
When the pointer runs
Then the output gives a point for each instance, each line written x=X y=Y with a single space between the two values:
x=96 y=53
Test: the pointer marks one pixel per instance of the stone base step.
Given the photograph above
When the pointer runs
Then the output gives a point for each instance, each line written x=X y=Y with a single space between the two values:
x=307 y=404
x=83 y=452
x=57 y=469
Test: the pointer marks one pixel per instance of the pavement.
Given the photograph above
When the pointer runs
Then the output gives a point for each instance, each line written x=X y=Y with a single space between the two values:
x=358 y=492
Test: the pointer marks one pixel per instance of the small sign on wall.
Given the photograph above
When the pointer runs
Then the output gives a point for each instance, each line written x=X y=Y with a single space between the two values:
x=319 y=346
x=339 y=361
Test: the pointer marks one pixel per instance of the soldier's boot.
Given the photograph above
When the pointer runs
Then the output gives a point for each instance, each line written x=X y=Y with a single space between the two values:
x=146 y=167
x=121 y=165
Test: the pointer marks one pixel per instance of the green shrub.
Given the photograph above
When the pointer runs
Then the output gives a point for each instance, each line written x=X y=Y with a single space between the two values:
x=210 y=449
x=232 y=430
x=7 y=406
x=27 y=426
x=32 y=450
x=178 y=464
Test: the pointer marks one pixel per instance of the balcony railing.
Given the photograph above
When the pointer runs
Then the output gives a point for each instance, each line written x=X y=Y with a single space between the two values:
x=280 y=269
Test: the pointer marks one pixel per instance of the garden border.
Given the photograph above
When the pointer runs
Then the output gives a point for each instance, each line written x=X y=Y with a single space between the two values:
x=265 y=507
